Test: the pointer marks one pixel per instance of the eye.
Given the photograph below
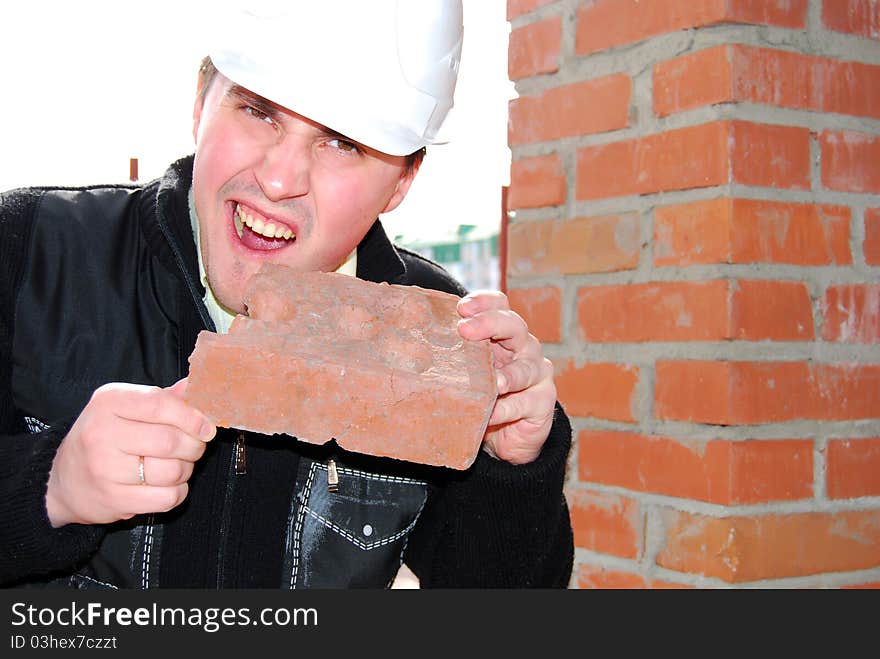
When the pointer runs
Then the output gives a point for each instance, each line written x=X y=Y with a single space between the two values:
x=343 y=145
x=257 y=114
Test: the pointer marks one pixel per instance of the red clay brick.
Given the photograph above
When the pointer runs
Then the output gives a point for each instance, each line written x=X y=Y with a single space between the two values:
x=852 y=313
x=694 y=233
x=582 y=245
x=581 y=108
x=850 y=161
x=325 y=356
x=600 y=578
x=607 y=23
x=696 y=157
x=693 y=80
x=780 y=13
x=794 y=80
x=519 y=7
x=595 y=577
x=693 y=157
x=695 y=311
x=735 y=73
x=731 y=393
x=743 y=549
x=534 y=48
x=852 y=468
x=858 y=17
x=606 y=523
x=751 y=231
x=770 y=156
x=771 y=311
x=658 y=311
x=542 y=310
x=716 y=471
x=536 y=182
x=871 y=244
x=784 y=232
x=602 y=390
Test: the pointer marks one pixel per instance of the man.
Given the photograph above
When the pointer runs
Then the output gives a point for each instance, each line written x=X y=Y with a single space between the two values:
x=309 y=122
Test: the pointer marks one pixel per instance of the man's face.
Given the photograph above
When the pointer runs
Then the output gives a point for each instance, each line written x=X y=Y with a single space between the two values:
x=271 y=185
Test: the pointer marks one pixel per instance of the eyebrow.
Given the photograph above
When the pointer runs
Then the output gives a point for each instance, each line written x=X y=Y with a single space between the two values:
x=260 y=103
x=274 y=110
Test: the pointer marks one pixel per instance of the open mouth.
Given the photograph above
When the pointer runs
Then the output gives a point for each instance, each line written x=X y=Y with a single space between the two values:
x=260 y=233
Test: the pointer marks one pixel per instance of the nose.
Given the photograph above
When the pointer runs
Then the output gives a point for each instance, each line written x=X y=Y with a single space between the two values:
x=283 y=171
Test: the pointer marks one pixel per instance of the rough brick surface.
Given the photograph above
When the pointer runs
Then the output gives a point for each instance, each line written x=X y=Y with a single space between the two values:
x=602 y=103
x=536 y=182
x=379 y=368
x=586 y=244
x=730 y=393
x=751 y=231
x=602 y=390
x=535 y=48
x=734 y=73
x=853 y=468
x=752 y=310
x=851 y=313
x=607 y=523
x=858 y=17
x=592 y=577
x=717 y=471
x=740 y=549
x=850 y=161
x=541 y=308
x=607 y=23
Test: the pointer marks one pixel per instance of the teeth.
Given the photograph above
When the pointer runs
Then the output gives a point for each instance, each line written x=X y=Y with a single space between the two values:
x=239 y=227
x=268 y=229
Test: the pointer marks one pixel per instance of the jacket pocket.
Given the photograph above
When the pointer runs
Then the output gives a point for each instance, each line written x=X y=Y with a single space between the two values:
x=351 y=535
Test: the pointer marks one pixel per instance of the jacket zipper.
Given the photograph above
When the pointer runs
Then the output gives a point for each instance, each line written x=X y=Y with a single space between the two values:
x=240 y=455
x=332 y=476
x=237 y=467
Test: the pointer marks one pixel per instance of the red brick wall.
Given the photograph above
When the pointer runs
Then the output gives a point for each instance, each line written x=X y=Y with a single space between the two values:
x=693 y=230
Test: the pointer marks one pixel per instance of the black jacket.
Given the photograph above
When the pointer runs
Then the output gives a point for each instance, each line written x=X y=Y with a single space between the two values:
x=100 y=284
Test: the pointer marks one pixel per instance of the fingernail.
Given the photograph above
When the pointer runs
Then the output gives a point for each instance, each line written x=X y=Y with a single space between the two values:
x=501 y=381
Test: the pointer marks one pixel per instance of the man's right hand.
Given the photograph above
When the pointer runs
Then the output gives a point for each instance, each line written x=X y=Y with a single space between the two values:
x=95 y=477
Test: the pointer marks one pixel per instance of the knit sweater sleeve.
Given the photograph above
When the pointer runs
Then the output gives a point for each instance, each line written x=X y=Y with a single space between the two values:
x=30 y=548
x=499 y=525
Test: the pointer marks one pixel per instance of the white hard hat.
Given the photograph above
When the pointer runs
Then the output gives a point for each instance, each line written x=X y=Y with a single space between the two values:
x=381 y=72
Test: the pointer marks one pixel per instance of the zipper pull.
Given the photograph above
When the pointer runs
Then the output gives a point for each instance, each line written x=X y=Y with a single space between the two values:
x=240 y=455
x=332 y=476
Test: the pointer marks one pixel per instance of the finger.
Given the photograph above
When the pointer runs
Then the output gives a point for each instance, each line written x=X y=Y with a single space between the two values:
x=142 y=499
x=179 y=387
x=158 y=472
x=504 y=327
x=535 y=403
x=520 y=374
x=479 y=301
x=155 y=405
x=160 y=441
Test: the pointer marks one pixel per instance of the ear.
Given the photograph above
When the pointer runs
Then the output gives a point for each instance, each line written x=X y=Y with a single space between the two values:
x=197 y=111
x=406 y=179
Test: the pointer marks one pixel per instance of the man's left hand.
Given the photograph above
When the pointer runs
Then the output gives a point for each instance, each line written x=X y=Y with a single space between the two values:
x=520 y=422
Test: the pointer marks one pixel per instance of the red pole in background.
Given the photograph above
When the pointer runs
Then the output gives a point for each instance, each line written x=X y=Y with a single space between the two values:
x=502 y=242
x=132 y=169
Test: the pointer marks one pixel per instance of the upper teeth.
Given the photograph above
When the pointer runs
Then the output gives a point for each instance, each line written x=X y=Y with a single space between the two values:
x=260 y=226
